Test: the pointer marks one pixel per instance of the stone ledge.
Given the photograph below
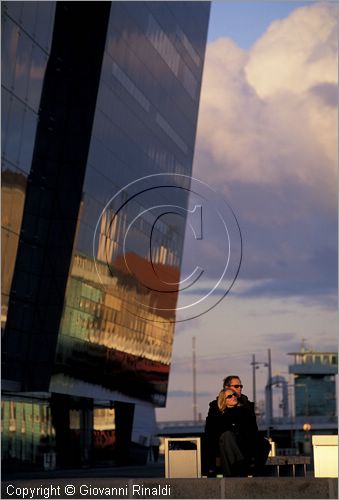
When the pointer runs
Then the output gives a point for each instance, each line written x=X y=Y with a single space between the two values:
x=253 y=488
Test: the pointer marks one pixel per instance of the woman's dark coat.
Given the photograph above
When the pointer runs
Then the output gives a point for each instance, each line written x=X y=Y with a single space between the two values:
x=240 y=419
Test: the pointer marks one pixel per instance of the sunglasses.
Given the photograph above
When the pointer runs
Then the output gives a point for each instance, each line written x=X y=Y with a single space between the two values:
x=237 y=386
x=232 y=396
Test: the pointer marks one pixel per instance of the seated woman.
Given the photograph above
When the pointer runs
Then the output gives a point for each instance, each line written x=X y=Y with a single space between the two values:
x=231 y=431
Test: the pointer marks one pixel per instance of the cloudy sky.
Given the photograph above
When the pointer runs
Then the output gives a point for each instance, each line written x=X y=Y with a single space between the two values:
x=267 y=144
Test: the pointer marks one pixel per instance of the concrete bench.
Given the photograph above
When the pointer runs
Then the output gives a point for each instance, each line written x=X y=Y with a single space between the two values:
x=292 y=466
x=288 y=464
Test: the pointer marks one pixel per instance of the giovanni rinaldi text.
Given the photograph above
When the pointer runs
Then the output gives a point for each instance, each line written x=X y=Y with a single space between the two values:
x=72 y=490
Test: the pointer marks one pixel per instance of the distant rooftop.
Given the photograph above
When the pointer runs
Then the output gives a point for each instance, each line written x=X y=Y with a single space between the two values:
x=315 y=357
x=314 y=362
x=304 y=353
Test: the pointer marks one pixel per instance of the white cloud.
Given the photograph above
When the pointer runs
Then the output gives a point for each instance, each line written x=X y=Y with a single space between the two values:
x=295 y=53
x=262 y=116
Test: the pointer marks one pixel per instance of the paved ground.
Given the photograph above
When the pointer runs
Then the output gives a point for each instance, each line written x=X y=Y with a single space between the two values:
x=149 y=482
x=108 y=487
x=152 y=470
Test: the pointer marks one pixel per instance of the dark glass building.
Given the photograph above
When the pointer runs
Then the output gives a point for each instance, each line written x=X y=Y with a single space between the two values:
x=99 y=114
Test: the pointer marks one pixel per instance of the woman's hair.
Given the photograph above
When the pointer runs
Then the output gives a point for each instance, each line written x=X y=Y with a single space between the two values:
x=221 y=399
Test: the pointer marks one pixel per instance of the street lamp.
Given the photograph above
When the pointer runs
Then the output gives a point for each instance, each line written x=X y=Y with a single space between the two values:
x=307 y=442
x=307 y=427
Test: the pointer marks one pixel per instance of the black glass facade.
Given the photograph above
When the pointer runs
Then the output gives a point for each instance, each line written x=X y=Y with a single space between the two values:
x=26 y=40
x=95 y=107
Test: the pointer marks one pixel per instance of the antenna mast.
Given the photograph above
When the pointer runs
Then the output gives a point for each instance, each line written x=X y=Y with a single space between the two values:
x=194 y=381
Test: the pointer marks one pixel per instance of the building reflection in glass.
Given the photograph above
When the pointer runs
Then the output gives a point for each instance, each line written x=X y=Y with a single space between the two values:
x=27 y=431
x=122 y=324
x=13 y=189
x=104 y=438
x=26 y=37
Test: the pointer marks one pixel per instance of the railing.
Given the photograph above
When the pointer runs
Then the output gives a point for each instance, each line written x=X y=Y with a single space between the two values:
x=299 y=420
x=181 y=423
x=292 y=422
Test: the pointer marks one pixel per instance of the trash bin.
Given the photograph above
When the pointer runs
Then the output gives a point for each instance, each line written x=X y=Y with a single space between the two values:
x=325 y=453
x=182 y=457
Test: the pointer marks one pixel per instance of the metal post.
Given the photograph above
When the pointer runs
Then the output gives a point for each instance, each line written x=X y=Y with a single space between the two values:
x=269 y=410
x=255 y=365
x=253 y=378
x=194 y=382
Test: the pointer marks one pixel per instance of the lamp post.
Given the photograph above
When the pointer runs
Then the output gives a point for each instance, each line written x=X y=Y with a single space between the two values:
x=307 y=442
x=302 y=410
